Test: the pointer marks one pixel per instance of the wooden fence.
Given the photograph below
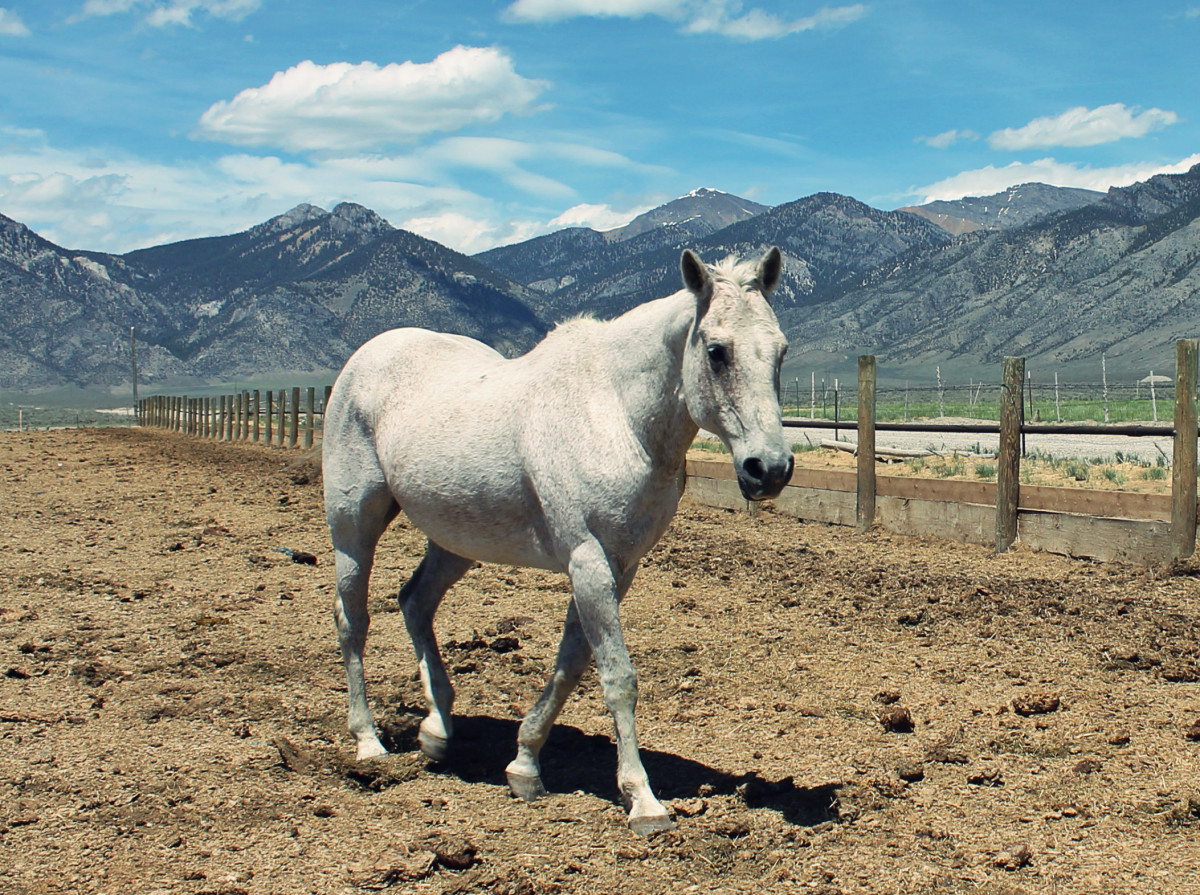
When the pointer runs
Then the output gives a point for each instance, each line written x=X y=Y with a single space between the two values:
x=1105 y=525
x=286 y=418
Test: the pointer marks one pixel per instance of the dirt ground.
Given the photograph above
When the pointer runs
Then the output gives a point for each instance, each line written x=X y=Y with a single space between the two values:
x=824 y=711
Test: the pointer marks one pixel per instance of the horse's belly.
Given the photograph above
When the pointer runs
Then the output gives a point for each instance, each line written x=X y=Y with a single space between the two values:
x=483 y=532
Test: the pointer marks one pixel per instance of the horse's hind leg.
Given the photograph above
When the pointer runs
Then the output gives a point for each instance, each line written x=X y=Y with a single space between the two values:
x=355 y=525
x=419 y=600
x=524 y=772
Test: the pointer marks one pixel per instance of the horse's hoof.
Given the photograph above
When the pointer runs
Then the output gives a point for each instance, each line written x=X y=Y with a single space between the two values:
x=527 y=789
x=647 y=825
x=434 y=747
x=367 y=751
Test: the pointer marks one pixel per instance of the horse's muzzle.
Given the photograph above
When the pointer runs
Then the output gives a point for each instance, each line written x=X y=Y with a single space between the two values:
x=763 y=480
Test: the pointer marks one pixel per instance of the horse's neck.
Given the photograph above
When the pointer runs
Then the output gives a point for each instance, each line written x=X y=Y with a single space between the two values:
x=649 y=375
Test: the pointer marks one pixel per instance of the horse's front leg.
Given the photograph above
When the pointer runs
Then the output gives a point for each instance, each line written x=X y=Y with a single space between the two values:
x=597 y=598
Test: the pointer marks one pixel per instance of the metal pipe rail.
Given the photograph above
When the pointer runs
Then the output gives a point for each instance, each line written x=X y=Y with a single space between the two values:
x=1134 y=429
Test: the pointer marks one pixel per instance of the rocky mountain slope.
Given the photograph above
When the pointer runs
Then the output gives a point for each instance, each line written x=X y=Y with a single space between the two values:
x=1120 y=277
x=557 y=260
x=296 y=294
x=826 y=238
x=1014 y=207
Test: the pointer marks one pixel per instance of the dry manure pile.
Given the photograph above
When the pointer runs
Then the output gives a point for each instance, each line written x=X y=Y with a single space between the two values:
x=823 y=711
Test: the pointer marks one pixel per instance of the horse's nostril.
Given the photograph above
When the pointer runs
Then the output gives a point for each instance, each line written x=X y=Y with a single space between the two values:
x=753 y=467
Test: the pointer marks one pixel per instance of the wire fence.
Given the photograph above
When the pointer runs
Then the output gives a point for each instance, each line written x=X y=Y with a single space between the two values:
x=1084 y=402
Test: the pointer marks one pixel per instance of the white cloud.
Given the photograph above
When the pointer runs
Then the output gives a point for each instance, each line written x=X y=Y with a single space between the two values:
x=469 y=234
x=989 y=180
x=343 y=106
x=11 y=24
x=557 y=10
x=84 y=200
x=598 y=217
x=721 y=18
x=699 y=16
x=947 y=139
x=1082 y=126
x=172 y=12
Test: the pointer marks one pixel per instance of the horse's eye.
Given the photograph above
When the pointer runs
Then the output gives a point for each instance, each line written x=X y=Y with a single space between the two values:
x=718 y=356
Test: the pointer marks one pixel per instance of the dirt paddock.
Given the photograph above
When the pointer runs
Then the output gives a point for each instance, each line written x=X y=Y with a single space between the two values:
x=823 y=711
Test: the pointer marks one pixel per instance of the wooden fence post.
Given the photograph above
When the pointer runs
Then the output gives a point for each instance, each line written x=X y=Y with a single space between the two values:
x=267 y=411
x=283 y=408
x=1008 y=474
x=257 y=430
x=866 y=441
x=311 y=398
x=294 y=422
x=1183 y=465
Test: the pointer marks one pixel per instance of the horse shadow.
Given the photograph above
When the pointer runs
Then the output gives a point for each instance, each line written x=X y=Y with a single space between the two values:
x=576 y=761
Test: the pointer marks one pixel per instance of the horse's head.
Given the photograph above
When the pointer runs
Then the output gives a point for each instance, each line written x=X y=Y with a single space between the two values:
x=731 y=367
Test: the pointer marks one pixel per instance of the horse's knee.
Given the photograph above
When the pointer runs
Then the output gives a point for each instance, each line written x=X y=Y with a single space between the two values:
x=620 y=688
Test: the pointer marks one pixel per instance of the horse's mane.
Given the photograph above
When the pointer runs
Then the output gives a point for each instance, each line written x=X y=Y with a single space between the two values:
x=739 y=273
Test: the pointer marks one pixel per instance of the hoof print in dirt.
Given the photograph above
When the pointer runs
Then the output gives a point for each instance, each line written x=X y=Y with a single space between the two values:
x=394 y=868
x=731 y=827
x=378 y=774
x=1180 y=673
x=297 y=759
x=453 y=852
x=911 y=772
x=756 y=790
x=504 y=644
x=988 y=775
x=689 y=807
x=1186 y=811
x=1014 y=857
x=1035 y=704
x=1088 y=766
x=896 y=719
x=944 y=753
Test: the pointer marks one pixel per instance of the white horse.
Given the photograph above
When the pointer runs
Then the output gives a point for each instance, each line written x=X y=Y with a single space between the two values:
x=568 y=458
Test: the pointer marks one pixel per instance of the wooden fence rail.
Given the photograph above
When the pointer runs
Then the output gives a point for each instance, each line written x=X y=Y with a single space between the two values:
x=251 y=415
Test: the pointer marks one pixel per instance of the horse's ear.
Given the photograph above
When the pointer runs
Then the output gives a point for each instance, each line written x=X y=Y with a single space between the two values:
x=770 y=269
x=696 y=278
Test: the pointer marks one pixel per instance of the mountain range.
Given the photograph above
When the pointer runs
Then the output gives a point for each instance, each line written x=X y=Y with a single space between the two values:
x=1056 y=275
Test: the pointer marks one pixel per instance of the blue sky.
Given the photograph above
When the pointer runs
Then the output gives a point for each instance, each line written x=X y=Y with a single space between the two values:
x=128 y=123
